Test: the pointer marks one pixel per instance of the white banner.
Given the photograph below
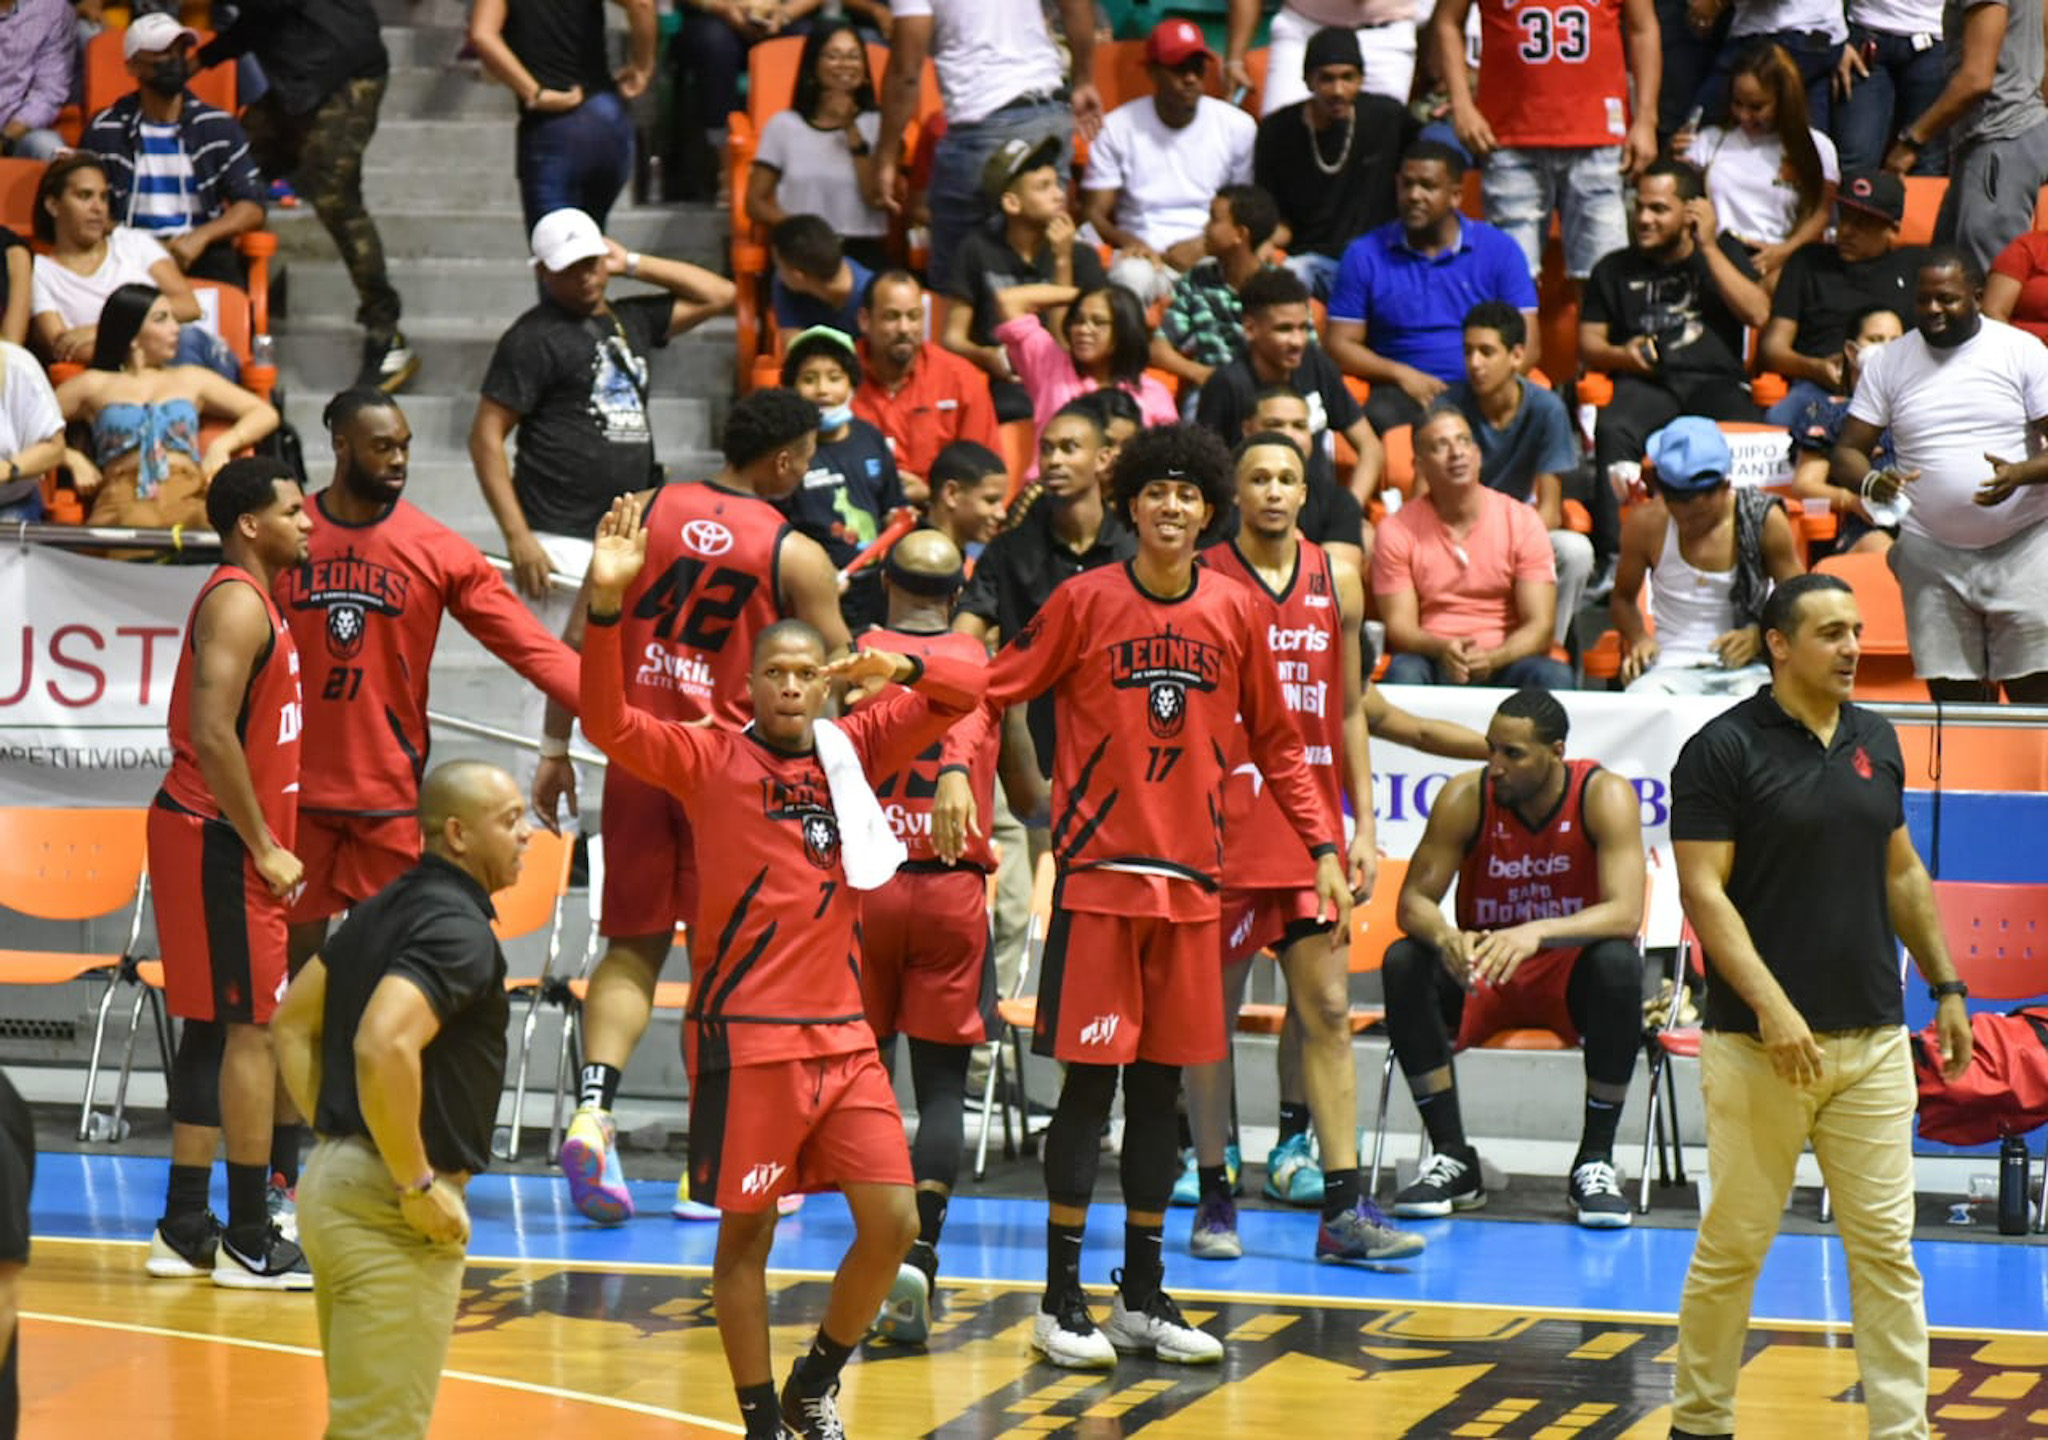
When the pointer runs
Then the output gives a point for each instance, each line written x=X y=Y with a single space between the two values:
x=88 y=649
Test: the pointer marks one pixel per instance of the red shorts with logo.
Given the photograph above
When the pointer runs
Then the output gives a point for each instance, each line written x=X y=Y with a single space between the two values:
x=761 y=1131
x=221 y=931
x=1255 y=920
x=927 y=965
x=349 y=858
x=1532 y=998
x=650 y=870
x=1118 y=988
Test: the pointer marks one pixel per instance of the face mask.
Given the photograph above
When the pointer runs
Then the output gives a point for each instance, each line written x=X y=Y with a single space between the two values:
x=168 y=75
x=837 y=416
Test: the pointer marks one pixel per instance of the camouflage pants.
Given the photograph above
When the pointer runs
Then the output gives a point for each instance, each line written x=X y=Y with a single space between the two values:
x=322 y=154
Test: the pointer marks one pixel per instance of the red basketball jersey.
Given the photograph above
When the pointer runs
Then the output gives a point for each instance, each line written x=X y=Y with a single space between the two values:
x=906 y=794
x=365 y=610
x=1556 y=72
x=268 y=722
x=1513 y=874
x=709 y=587
x=1305 y=634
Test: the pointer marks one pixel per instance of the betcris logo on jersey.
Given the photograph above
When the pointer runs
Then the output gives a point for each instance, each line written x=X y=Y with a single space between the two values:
x=1166 y=667
x=348 y=588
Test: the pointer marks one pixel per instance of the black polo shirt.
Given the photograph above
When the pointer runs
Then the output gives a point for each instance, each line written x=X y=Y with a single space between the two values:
x=432 y=925
x=1812 y=827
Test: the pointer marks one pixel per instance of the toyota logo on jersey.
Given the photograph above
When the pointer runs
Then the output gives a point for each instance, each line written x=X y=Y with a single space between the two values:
x=707 y=537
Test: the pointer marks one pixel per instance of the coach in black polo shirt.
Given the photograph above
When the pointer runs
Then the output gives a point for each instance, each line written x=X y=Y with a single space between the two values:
x=393 y=1040
x=1797 y=871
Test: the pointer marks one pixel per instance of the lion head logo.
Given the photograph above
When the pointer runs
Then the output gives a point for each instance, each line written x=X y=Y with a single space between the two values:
x=1166 y=706
x=821 y=840
x=345 y=626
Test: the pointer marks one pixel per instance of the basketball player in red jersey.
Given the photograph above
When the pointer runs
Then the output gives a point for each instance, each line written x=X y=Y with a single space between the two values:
x=787 y=1091
x=1548 y=856
x=722 y=565
x=927 y=959
x=221 y=868
x=1313 y=611
x=1151 y=663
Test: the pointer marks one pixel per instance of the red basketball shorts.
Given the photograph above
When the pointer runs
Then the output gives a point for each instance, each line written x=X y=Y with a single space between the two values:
x=1255 y=920
x=927 y=964
x=1532 y=998
x=1118 y=988
x=221 y=931
x=761 y=1131
x=349 y=858
x=650 y=870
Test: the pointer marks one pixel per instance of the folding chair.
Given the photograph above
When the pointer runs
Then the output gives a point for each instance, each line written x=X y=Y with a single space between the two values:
x=534 y=900
x=1665 y=1043
x=1018 y=1015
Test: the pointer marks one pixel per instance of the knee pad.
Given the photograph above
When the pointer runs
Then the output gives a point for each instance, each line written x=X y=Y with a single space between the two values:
x=194 y=1081
x=1150 y=1160
x=1073 y=1150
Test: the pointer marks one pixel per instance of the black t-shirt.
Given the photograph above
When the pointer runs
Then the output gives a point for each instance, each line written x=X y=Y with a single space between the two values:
x=432 y=925
x=562 y=42
x=1807 y=822
x=8 y=241
x=1327 y=212
x=846 y=497
x=1231 y=394
x=1678 y=305
x=1819 y=291
x=579 y=386
x=986 y=264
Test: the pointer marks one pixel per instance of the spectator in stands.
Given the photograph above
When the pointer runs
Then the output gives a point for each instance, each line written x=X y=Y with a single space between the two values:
x=145 y=410
x=815 y=282
x=38 y=57
x=1823 y=285
x=31 y=433
x=1031 y=242
x=1665 y=318
x=1996 y=122
x=818 y=156
x=1771 y=176
x=1001 y=79
x=1816 y=429
x=851 y=488
x=1385 y=30
x=709 y=57
x=1463 y=575
x=2016 y=290
x=327 y=70
x=968 y=485
x=177 y=167
x=1328 y=161
x=1891 y=70
x=1279 y=351
x=1330 y=514
x=920 y=396
x=571 y=376
x=1712 y=553
x=1525 y=439
x=17 y=287
x=90 y=257
x=575 y=133
x=1204 y=322
x=1159 y=161
x=1554 y=122
x=1397 y=314
x=1107 y=344
x=1963 y=397
x=1809 y=31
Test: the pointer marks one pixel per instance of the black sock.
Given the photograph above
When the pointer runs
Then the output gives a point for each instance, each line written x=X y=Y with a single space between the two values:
x=931 y=1216
x=1293 y=1119
x=248 y=1199
x=1446 y=1125
x=600 y=1088
x=1596 y=1137
x=1215 y=1181
x=285 y=1143
x=186 y=1194
x=1062 y=1258
x=1144 y=1264
x=819 y=1367
x=759 y=1412
x=1340 y=1192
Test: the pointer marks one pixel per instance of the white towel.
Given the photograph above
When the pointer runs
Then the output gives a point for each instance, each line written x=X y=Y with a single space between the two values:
x=868 y=848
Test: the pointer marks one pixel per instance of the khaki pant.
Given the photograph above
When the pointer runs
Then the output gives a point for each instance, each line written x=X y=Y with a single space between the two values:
x=1859 y=1117
x=385 y=1297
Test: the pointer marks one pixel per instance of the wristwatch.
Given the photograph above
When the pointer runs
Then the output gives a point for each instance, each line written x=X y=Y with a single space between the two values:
x=1947 y=988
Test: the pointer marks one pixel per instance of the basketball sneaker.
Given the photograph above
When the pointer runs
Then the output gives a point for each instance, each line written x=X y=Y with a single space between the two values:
x=1597 y=1201
x=277 y=1264
x=1363 y=1234
x=1449 y=1180
x=1292 y=1175
x=906 y=1316
x=1214 y=1236
x=1187 y=1190
x=787 y=1205
x=812 y=1417
x=1159 y=1330
x=1067 y=1335
x=687 y=1209
x=183 y=1247
x=590 y=1158
x=282 y=1202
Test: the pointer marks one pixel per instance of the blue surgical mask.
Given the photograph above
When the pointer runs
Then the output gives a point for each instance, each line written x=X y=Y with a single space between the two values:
x=838 y=417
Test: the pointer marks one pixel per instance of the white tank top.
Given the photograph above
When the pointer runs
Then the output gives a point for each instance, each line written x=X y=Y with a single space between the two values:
x=1692 y=606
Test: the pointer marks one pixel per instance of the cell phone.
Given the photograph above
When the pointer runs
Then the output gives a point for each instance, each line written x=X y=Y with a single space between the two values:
x=1693 y=118
x=1240 y=95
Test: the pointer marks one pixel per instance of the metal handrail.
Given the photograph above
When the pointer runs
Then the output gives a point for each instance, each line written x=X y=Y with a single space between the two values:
x=504 y=737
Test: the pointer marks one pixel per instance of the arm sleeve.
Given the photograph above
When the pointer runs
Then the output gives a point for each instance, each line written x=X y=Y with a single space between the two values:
x=2033 y=363
x=516 y=376
x=451 y=958
x=1347 y=294
x=1040 y=361
x=30 y=402
x=1706 y=786
x=671 y=756
x=1242 y=138
x=1531 y=555
x=1790 y=296
x=1179 y=320
x=1029 y=664
x=1595 y=308
x=1105 y=156
x=50 y=69
x=1510 y=268
x=891 y=734
x=1390 y=550
x=1737 y=253
x=240 y=179
x=1872 y=402
x=1276 y=746
x=480 y=599
x=772 y=151
x=646 y=320
x=1557 y=453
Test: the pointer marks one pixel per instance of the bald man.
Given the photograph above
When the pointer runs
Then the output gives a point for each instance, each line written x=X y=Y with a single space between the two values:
x=393 y=1040
x=927 y=955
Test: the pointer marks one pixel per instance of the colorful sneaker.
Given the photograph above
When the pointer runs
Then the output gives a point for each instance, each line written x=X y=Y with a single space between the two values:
x=687 y=1209
x=278 y=1264
x=1292 y=1175
x=282 y=194
x=906 y=1316
x=1597 y=1201
x=183 y=1248
x=812 y=1417
x=1363 y=1234
x=1214 y=1236
x=1187 y=1190
x=388 y=364
x=282 y=1203
x=1067 y=1335
x=1446 y=1182
x=786 y=1205
x=1159 y=1330
x=590 y=1158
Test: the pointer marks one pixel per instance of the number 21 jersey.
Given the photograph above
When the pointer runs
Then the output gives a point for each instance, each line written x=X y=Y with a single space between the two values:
x=1562 y=80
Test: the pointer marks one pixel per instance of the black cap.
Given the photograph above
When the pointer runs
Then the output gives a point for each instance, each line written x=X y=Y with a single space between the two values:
x=1014 y=158
x=1331 y=45
x=1874 y=192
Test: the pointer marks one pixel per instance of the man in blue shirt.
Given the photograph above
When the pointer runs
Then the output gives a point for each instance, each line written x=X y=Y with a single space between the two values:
x=1409 y=284
x=815 y=284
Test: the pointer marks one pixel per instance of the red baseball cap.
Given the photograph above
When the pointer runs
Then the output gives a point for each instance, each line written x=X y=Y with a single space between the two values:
x=1175 y=42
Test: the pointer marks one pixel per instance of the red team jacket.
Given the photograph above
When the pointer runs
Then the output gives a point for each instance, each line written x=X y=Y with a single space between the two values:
x=776 y=972
x=366 y=610
x=906 y=794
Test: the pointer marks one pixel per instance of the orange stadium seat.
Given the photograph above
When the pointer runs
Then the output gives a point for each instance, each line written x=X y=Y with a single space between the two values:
x=1886 y=669
x=1923 y=203
x=18 y=181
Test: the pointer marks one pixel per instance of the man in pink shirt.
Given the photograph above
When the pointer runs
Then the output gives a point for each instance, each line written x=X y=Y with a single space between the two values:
x=1464 y=575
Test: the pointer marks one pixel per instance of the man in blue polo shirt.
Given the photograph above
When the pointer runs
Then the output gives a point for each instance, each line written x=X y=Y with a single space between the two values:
x=1409 y=284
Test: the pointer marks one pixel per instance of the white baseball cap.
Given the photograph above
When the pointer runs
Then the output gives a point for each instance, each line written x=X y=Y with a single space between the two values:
x=151 y=33
x=563 y=237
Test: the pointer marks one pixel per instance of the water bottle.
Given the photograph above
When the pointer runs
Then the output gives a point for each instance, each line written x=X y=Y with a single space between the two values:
x=263 y=349
x=1887 y=511
x=2013 y=1163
